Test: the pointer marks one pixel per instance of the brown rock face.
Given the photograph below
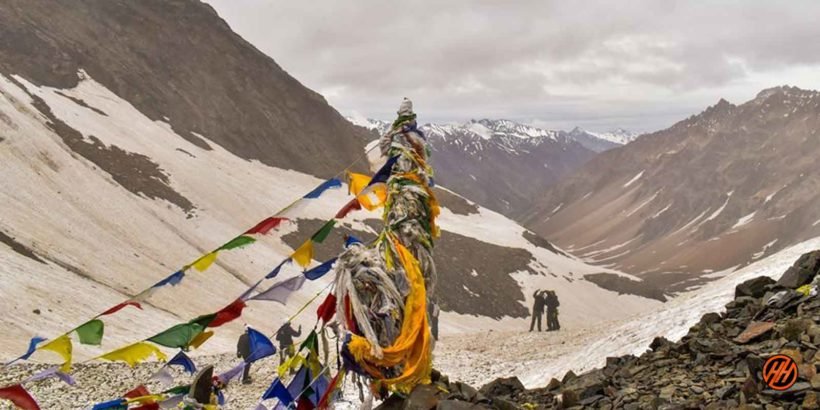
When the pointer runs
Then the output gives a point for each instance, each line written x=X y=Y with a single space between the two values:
x=177 y=61
x=719 y=189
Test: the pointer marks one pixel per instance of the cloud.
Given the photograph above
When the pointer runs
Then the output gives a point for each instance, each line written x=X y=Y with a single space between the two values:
x=643 y=63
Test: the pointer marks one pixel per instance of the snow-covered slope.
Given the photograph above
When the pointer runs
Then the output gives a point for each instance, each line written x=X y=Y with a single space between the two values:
x=78 y=241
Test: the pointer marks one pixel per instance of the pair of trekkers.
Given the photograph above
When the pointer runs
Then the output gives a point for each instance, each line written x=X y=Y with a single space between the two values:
x=545 y=299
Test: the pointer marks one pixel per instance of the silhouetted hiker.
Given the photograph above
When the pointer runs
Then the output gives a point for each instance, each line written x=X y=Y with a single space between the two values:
x=552 y=303
x=537 y=309
x=243 y=350
x=285 y=337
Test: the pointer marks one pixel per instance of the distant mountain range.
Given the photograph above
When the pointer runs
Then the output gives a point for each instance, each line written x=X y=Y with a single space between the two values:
x=720 y=189
x=502 y=164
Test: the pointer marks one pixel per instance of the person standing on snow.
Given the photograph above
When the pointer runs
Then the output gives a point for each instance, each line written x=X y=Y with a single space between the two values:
x=285 y=337
x=552 y=303
x=243 y=350
x=537 y=309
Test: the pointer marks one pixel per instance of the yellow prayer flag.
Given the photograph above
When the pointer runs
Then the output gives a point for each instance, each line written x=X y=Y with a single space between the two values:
x=357 y=182
x=373 y=196
x=135 y=353
x=204 y=262
x=61 y=346
x=304 y=254
x=199 y=339
x=149 y=399
x=291 y=364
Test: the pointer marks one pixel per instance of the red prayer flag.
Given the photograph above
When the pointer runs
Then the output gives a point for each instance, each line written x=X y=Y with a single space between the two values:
x=327 y=309
x=265 y=226
x=228 y=313
x=353 y=205
x=117 y=308
x=19 y=396
x=139 y=391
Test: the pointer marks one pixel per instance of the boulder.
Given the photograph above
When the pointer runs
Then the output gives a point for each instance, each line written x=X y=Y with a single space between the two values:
x=755 y=287
x=802 y=272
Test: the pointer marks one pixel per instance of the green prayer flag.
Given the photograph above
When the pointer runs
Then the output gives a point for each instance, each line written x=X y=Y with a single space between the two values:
x=178 y=336
x=237 y=242
x=178 y=390
x=204 y=320
x=320 y=236
x=91 y=332
x=311 y=342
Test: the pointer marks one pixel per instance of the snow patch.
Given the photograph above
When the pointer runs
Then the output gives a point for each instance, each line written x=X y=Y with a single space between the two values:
x=635 y=178
x=743 y=221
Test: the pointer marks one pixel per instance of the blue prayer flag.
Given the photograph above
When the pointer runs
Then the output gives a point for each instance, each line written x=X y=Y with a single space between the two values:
x=320 y=270
x=181 y=359
x=330 y=183
x=277 y=390
x=260 y=346
x=172 y=280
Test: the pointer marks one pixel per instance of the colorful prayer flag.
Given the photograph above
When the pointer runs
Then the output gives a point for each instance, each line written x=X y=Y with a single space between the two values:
x=327 y=309
x=265 y=226
x=51 y=372
x=278 y=390
x=163 y=376
x=280 y=291
x=205 y=262
x=61 y=346
x=181 y=359
x=351 y=206
x=320 y=270
x=260 y=346
x=200 y=339
x=232 y=373
x=228 y=313
x=350 y=240
x=32 y=346
x=178 y=336
x=19 y=396
x=172 y=279
x=135 y=353
x=357 y=182
x=117 y=308
x=322 y=234
x=330 y=183
x=373 y=196
x=304 y=254
x=384 y=172
x=276 y=270
x=91 y=332
x=116 y=404
x=238 y=242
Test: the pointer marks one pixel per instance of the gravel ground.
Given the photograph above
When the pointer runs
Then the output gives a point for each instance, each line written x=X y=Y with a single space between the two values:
x=475 y=358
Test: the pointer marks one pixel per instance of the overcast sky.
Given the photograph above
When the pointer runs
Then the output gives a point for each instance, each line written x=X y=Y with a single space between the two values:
x=641 y=65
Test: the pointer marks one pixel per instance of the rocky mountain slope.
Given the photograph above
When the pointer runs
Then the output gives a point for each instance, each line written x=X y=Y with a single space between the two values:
x=102 y=196
x=503 y=164
x=718 y=364
x=177 y=61
x=720 y=189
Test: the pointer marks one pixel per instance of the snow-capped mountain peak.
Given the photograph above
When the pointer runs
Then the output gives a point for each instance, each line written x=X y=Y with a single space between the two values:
x=619 y=136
